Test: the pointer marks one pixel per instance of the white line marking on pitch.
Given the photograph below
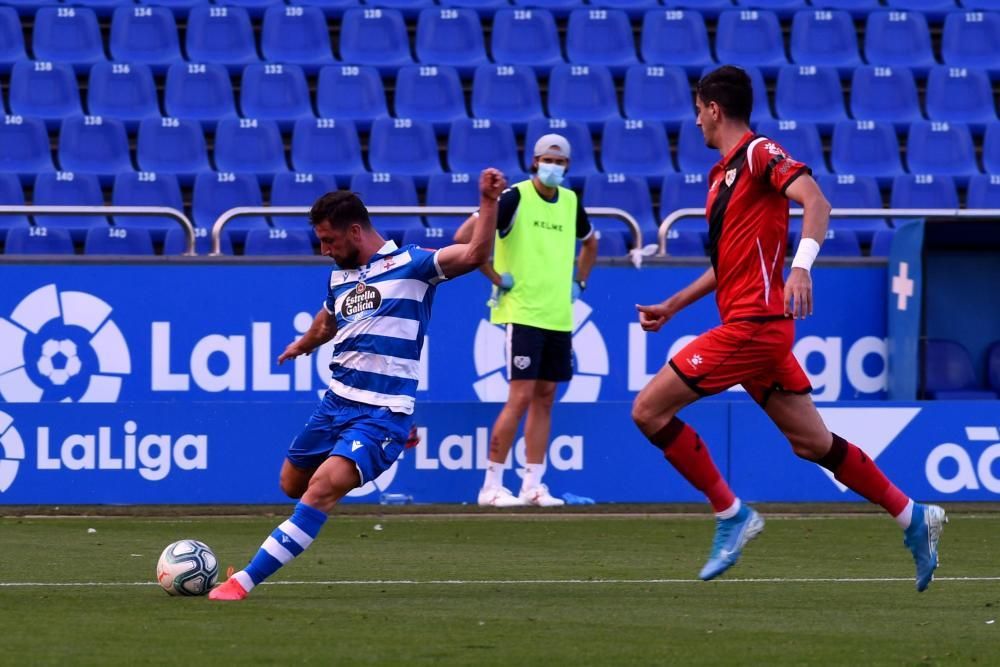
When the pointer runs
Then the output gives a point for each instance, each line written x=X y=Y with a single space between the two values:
x=518 y=582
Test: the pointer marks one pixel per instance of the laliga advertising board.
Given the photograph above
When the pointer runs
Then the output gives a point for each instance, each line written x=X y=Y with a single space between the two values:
x=157 y=384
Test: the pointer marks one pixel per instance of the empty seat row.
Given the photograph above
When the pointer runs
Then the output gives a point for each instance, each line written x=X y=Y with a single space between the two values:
x=949 y=374
x=454 y=36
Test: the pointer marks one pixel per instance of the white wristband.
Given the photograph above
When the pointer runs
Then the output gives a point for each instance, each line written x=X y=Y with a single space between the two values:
x=806 y=254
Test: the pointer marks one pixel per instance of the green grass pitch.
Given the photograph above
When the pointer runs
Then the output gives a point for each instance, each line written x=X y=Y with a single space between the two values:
x=504 y=589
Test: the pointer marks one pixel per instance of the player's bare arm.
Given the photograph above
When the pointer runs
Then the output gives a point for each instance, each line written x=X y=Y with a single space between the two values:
x=815 y=220
x=588 y=255
x=322 y=330
x=652 y=318
x=461 y=258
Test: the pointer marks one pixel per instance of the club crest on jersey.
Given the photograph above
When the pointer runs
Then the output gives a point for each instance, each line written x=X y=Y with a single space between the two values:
x=730 y=177
x=360 y=303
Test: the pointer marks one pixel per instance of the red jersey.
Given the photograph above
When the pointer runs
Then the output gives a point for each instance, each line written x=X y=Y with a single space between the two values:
x=748 y=227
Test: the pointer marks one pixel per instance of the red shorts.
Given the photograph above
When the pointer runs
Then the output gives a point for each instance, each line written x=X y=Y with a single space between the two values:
x=755 y=354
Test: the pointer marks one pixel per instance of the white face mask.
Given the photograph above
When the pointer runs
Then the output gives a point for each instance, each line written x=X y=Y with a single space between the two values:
x=551 y=175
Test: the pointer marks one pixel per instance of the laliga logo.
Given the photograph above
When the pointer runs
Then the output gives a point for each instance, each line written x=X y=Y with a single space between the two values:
x=11 y=451
x=61 y=346
x=589 y=350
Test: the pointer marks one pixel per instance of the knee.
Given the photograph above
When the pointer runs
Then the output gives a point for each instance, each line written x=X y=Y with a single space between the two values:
x=649 y=417
x=808 y=448
x=291 y=487
x=545 y=398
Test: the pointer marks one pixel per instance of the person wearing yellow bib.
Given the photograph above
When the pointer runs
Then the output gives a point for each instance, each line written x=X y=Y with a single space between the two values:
x=538 y=225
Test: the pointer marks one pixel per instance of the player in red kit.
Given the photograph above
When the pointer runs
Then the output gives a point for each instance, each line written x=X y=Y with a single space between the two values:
x=747 y=211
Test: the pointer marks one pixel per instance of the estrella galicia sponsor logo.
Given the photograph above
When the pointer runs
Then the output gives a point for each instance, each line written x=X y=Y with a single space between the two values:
x=360 y=303
x=61 y=347
x=11 y=451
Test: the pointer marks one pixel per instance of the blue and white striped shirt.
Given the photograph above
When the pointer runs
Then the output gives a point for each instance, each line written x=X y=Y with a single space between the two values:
x=382 y=311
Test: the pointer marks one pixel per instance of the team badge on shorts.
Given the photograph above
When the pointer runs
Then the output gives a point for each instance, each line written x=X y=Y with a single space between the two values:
x=730 y=177
x=360 y=303
x=522 y=362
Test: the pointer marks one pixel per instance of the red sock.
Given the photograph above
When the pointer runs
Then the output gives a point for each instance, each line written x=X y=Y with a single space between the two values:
x=689 y=455
x=855 y=470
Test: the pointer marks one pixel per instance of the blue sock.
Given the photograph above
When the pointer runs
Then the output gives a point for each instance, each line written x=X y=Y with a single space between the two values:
x=287 y=541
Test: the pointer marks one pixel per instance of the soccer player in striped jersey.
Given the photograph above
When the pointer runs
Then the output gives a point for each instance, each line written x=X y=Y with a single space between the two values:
x=377 y=309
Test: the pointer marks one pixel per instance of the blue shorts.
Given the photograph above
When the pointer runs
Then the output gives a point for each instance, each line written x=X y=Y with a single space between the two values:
x=372 y=437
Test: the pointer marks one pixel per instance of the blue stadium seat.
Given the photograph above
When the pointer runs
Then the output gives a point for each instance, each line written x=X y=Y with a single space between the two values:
x=506 y=92
x=885 y=94
x=991 y=149
x=25 y=147
x=923 y=191
x=297 y=36
x=175 y=243
x=451 y=37
x=629 y=193
x=431 y=93
x=454 y=189
x=351 y=92
x=220 y=35
x=882 y=243
x=934 y=10
x=146 y=188
x=180 y=8
x=122 y=91
x=676 y=37
x=255 y=8
x=580 y=141
x=761 y=100
x=146 y=35
x=275 y=92
x=948 y=373
x=684 y=191
x=685 y=243
x=693 y=156
x=934 y=147
x=217 y=192
x=250 y=146
x=800 y=140
x=38 y=241
x=63 y=188
x=375 y=37
x=410 y=9
x=477 y=143
x=962 y=95
x=611 y=244
x=826 y=38
x=431 y=238
x=381 y=189
x=332 y=9
x=850 y=191
x=866 y=148
x=326 y=146
x=172 y=146
x=993 y=366
x=559 y=8
x=750 y=37
x=117 y=241
x=783 y=8
x=634 y=8
x=11 y=194
x=898 y=39
x=969 y=39
x=983 y=191
x=278 y=242
x=11 y=39
x=636 y=148
x=858 y=9
x=45 y=90
x=838 y=243
x=583 y=92
x=810 y=94
x=657 y=92
x=484 y=7
x=525 y=37
x=403 y=146
x=600 y=37
x=67 y=35
x=198 y=91
x=298 y=189
x=94 y=145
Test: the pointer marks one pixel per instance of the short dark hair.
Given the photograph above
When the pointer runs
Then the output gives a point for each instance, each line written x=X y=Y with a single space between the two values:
x=340 y=208
x=730 y=88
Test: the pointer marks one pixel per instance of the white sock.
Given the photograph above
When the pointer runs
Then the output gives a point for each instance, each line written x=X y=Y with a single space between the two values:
x=244 y=580
x=532 y=476
x=906 y=516
x=494 y=475
x=730 y=511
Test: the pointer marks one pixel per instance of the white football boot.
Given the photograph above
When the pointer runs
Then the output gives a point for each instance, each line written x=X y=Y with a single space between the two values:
x=539 y=496
x=498 y=496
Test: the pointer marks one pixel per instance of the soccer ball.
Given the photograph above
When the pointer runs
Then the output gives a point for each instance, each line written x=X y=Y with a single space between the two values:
x=63 y=352
x=187 y=567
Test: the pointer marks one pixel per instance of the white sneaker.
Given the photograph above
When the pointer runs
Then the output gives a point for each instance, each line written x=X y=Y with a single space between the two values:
x=540 y=497
x=498 y=496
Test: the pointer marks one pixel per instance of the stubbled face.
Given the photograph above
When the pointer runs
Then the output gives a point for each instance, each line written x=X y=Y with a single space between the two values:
x=343 y=245
x=707 y=118
x=549 y=159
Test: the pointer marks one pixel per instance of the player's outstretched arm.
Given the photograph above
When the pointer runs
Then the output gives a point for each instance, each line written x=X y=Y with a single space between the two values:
x=651 y=318
x=815 y=220
x=461 y=258
x=322 y=330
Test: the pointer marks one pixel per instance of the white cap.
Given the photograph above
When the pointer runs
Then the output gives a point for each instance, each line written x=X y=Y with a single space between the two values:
x=552 y=144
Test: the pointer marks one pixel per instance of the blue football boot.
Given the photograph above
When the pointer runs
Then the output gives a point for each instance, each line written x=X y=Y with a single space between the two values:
x=922 y=537
x=731 y=535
